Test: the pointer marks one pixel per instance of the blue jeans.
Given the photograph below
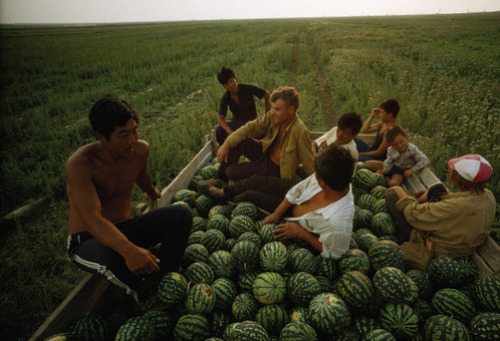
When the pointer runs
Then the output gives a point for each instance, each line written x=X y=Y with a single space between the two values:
x=363 y=147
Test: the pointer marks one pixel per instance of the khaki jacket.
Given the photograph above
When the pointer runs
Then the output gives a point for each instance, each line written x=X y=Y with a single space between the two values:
x=295 y=147
x=455 y=226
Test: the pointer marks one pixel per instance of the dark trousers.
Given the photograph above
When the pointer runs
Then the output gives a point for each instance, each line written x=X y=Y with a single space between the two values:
x=266 y=192
x=260 y=163
x=404 y=228
x=362 y=146
x=169 y=226
x=221 y=134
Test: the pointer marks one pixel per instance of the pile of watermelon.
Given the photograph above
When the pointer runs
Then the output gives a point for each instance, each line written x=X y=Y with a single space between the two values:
x=238 y=283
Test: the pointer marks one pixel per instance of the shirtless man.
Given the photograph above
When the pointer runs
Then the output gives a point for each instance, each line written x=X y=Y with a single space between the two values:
x=285 y=143
x=102 y=237
x=320 y=209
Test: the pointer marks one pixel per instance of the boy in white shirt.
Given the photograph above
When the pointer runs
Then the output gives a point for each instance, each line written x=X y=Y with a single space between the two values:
x=320 y=207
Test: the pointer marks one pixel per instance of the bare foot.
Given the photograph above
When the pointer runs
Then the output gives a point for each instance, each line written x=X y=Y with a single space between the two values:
x=215 y=192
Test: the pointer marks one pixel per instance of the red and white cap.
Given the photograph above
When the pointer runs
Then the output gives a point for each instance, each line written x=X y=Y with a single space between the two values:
x=472 y=167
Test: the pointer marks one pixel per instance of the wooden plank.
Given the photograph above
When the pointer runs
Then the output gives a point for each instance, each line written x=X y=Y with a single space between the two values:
x=428 y=177
x=490 y=253
x=83 y=299
x=482 y=268
x=182 y=180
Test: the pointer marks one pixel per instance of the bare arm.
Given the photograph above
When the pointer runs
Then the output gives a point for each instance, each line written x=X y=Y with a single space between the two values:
x=294 y=230
x=267 y=100
x=367 y=125
x=145 y=182
x=278 y=212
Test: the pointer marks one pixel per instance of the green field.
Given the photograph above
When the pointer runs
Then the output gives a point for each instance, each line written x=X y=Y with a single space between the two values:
x=444 y=70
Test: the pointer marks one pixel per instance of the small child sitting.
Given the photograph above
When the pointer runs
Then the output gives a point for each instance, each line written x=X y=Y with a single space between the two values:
x=403 y=158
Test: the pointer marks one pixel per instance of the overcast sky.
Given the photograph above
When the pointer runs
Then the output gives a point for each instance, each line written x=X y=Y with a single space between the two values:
x=107 y=11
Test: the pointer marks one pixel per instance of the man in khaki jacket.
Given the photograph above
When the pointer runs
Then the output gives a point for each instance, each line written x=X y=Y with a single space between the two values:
x=276 y=143
x=454 y=225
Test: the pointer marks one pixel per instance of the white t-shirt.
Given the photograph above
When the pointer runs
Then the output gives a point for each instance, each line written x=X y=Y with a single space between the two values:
x=330 y=137
x=333 y=223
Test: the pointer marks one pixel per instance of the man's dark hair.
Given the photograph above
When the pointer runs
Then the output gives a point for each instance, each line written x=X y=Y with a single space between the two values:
x=350 y=120
x=393 y=132
x=225 y=74
x=335 y=166
x=391 y=106
x=110 y=112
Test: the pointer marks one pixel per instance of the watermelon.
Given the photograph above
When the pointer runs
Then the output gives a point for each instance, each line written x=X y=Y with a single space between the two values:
x=186 y=195
x=192 y=327
x=193 y=184
x=251 y=236
x=378 y=335
x=208 y=172
x=378 y=192
x=380 y=180
x=356 y=290
x=440 y=327
x=246 y=331
x=163 y=323
x=137 y=328
x=203 y=205
x=302 y=287
x=245 y=255
x=445 y=272
x=246 y=279
x=240 y=224
x=386 y=253
x=200 y=299
x=200 y=272
x=90 y=327
x=383 y=224
x=213 y=240
x=328 y=314
x=173 y=288
x=221 y=264
x=399 y=319
x=195 y=237
x=219 y=322
x=324 y=284
x=273 y=256
x=230 y=242
x=380 y=206
x=247 y=209
x=298 y=314
x=266 y=233
x=485 y=327
x=451 y=302
x=424 y=284
x=303 y=260
x=486 y=293
x=354 y=260
x=364 y=324
x=366 y=241
x=364 y=179
x=225 y=291
x=298 y=331
x=393 y=285
x=469 y=268
x=327 y=267
x=348 y=335
x=272 y=317
x=358 y=192
x=366 y=201
x=244 y=307
x=195 y=252
x=199 y=224
x=269 y=288
x=224 y=210
x=219 y=222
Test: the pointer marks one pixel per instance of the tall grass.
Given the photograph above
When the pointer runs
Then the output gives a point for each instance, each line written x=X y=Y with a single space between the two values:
x=443 y=69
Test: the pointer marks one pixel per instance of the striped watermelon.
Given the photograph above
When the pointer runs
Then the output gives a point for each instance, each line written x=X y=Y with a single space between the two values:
x=208 y=172
x=485 y=327
x=90 y=327
x=486 y=292
x=245 y=255
x=230 y=242
x=445 y=272
x=298 y=314
x=302 y=287
x=383 y=224
x=193 y=184
x=272 y=317
x=424 y=284
x=195 y=237
x=200 y=299
x=366 y=240
x=251 y=236
x=224 y=291
x=451 y=302
x=247 y=331
x=441 y=327
x=186 y=195
x=354 y=260
x=303 y=260
x=163 y=323
x=213 y=240
x=240 y=224
x=393 y=285
x=364 y=179
x=195 y=253
x=224 y=210
x=328 y=314
x=273 y=256
x=137 y=328
x=219 y=322
x=386 y=253
x=364 y=324
x=266 y=233
x=358 y=192
x=203 y=204
x=199 y=224
x=378 y=192
x=348 y=335
x=378 y=335
x=244 y=307
x=380 y=206
x=399 y=319
x=173 y=288
x=221 y=264
x=269 y=288
x=469 y=268
x=366 y=201
x=324 y=284
x=200 y=272
x=246 y=279
x=247 y=209
x=219 y=222
x=192 y=327
x=298 y=331
x=380 y=180
x=328 y=268
x=356 y=290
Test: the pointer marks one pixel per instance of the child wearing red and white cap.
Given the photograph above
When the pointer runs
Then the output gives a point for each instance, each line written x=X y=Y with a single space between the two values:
x=454 y=225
